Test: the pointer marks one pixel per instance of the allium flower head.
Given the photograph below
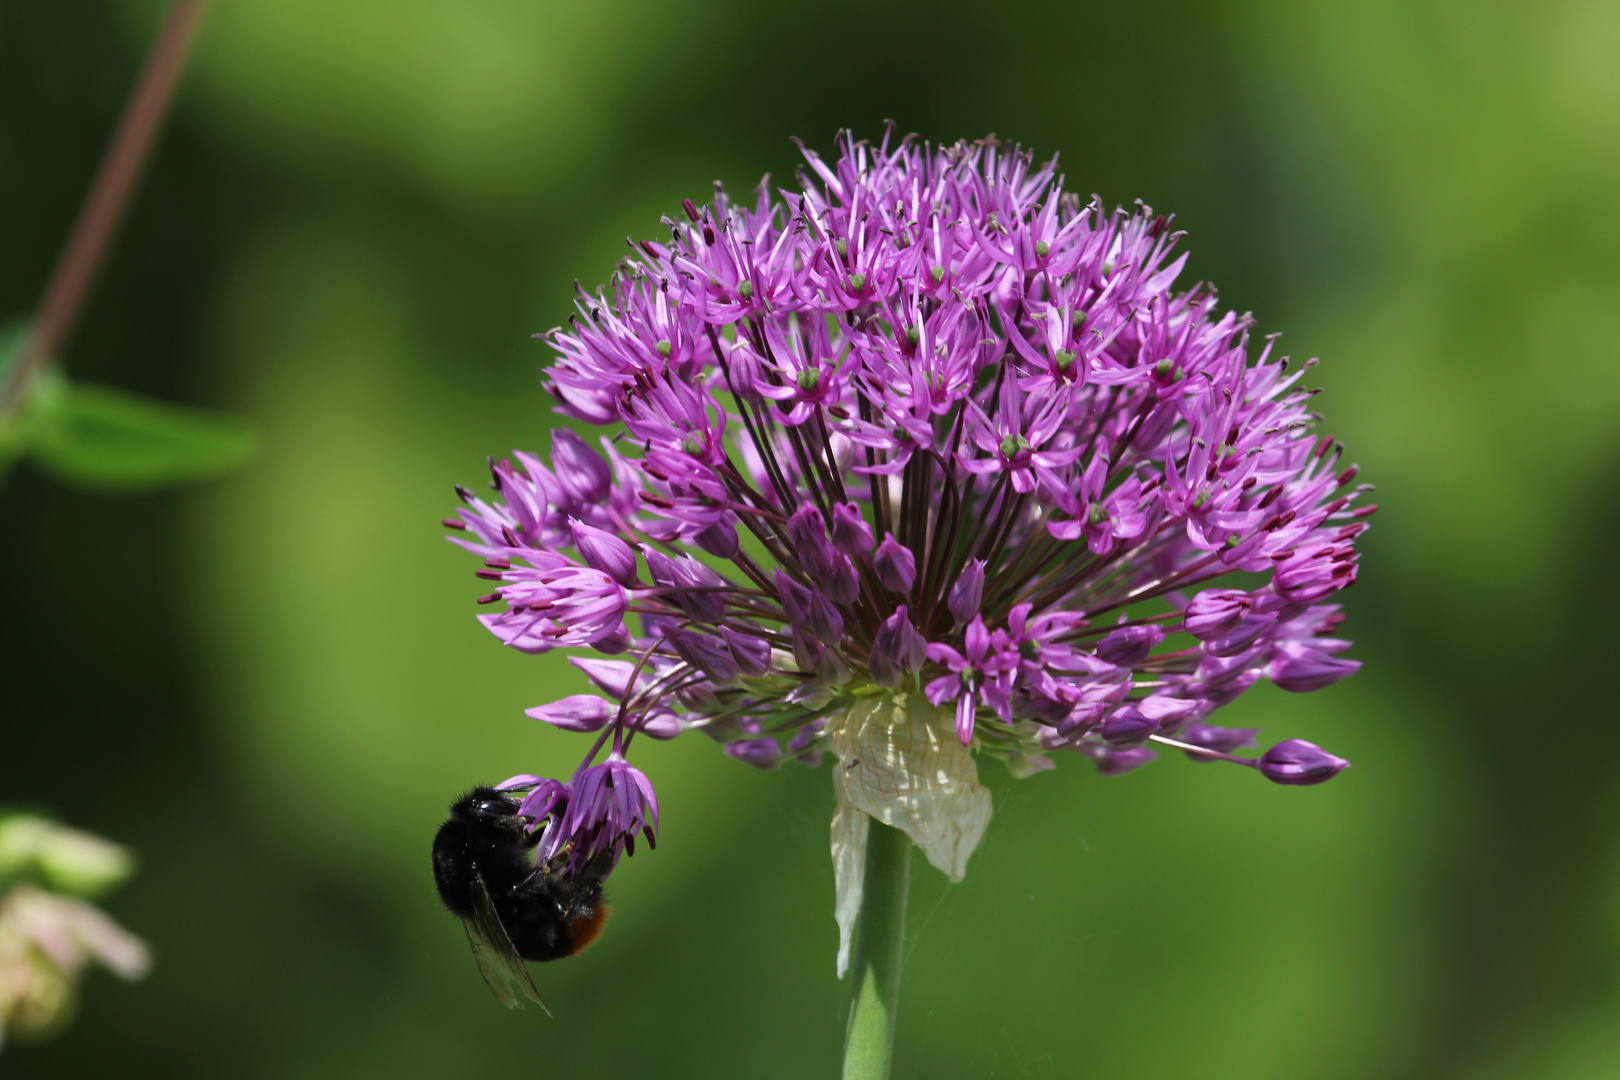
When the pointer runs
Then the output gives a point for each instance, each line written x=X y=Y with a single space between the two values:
x=926 y=460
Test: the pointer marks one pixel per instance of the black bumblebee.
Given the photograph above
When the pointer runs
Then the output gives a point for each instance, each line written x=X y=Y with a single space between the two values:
x=512 y=909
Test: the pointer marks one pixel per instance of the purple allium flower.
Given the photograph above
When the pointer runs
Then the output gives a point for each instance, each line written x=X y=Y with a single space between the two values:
x=927 y=459
x=595 y=817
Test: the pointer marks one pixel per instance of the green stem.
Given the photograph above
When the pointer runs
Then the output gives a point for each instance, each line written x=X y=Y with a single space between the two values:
x=875 y=974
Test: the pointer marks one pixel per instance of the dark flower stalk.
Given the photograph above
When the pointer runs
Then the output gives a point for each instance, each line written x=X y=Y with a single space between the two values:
x=924 y=460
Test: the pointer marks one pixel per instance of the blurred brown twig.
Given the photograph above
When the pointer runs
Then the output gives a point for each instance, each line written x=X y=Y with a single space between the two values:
x=104 y=205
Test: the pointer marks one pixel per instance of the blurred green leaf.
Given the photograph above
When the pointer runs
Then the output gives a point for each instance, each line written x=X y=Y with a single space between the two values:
x=109 y=440
x=64 y=858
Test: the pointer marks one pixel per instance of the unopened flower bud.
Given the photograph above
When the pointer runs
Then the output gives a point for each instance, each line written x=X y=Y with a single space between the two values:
x=850 y=533
x=580 y=470
x=705 y=652
x=661 y=723
x=1129 y=645
x=897 y=649
x=1300 y=764
x=807 y=530
x=760 y=753
x=896 y=566
x=1082 y=718
x=753 y=653
x=578 y=712
x=1254 y=626
x=1299 y=669
x=603 y=551
x=1172 y=714
x=615 y=642
x=968 y=592
x=697 y=588
x=795 y=599
x=1119 y=762
x=719 y=539
x=808 y=653
x=825 y=621
x=1127 y=727
x=842 y=585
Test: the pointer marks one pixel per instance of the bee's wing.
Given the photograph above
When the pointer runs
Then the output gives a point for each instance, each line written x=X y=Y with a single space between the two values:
x=498 y=960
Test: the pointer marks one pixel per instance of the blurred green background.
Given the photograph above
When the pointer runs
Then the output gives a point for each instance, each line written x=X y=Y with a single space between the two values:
x=272 y=685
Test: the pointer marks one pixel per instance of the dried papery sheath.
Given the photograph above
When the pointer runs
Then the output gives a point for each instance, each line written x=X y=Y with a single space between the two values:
x=925 y=461
x=898 y=763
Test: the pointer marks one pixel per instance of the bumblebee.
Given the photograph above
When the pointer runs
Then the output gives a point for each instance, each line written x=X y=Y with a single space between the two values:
x=512 y=910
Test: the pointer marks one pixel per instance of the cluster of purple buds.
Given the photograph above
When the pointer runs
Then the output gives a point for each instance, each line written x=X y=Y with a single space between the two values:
x=925 y=460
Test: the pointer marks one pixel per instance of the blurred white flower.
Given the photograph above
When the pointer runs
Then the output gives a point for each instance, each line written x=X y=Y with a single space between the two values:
x=47 y=938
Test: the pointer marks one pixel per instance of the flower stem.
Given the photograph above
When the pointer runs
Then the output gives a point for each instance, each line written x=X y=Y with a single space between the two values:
x=879 y=934
x=104 y=205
